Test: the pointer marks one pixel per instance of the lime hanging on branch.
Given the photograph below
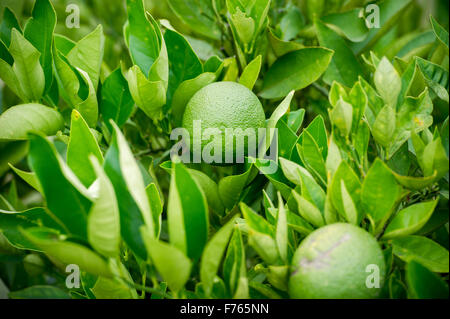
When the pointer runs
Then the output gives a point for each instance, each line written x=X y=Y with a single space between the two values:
x=223 y=120
x=337 y=261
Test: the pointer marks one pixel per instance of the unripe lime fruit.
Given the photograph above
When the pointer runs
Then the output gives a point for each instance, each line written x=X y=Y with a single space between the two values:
x=220 y=106
x=337 y=261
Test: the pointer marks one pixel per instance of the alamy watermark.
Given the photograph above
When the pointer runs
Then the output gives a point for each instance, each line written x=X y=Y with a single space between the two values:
x=373 y=16
x=73 y=19
x=373 y=279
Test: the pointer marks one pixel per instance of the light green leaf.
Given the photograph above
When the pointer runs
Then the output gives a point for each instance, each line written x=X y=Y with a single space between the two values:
x=62 y=191
x=384 y=126
x=281 y=231
x=125 y=175
x=39 y=31
x=68 y=252
x=187 y=213
x=423 y=284
x=26 y=67
x=251 y=72
x=440 y=32
x=344 y=67
x=103 y=219
x=148 y=95
x=410 y=219
x=424 y=250
x=380 y=192
x=256 y=222
x=18 y=120
x=39 y=292
x=308 y=210
x=294 y=71
x=212 y=255
x=172 y=264
x=82 y=143
x=387 y=82
x=198 y=15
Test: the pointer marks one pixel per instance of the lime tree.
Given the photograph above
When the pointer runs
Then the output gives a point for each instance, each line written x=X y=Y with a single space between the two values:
x=337 y=261
x=224 y=118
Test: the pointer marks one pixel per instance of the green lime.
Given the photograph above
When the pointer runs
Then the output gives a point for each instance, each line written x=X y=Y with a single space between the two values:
x=338 y=261
x=227 y=116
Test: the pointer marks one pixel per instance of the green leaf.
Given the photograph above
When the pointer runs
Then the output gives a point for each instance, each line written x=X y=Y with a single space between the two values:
x=387 y=82
x=82 y=143
x=311 y=155
x=234 y=267
x=265 y=246
x=440 y=32
x=148 y=95
x=39 y=31
x=415 y=183
x=116 y=101
x=350 y=23
x=63 y=43
x=67 y=252
x=12 y=153
x=423 y=284
x=63 y=193
x=281 y=231
x=251 y=72
x=134 y=208
x=341 y=116
x=212 y=255
x=389 y=13
x=18 y=120
x=311 y=190
x=281 y=47
x=210 y=189
x=39 y=292
x=353 y=185
x=156 y=206
x=26 y=67
x=410 y=220
x=187 y=213
x=256 y=222
x=433 y=159
x=9 y=22
x=116 y=288
x=298 y=224
x=423 y=250
x=350 y=211
x=29 y=177
x=198 y=15
x=384 y=126
x=87 y=54
x=142 y=38
x=435 y=77
x=344 y=67
x=12 y=223
x=103 y=218
x=172 y=264
x=308 y=210
x=294 y=71
x=281 y=109
x=183 y=62
x=286 y=139
x=231 y=187
x=380 y=192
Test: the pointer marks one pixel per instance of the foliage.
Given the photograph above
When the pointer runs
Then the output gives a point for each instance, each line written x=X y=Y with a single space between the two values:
x=85 y=120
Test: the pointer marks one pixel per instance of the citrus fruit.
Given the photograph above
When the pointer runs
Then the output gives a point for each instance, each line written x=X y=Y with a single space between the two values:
x=220 y=106
x=337 y=261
